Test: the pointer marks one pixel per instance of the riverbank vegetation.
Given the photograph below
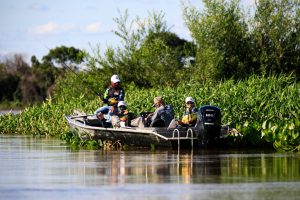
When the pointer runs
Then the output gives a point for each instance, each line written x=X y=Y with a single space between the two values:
x=263 y=109
x=246 y=64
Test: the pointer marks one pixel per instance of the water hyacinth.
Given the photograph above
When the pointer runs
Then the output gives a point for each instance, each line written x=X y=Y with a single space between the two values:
x=262 y=109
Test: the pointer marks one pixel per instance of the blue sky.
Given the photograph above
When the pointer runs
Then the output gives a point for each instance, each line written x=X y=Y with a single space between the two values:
x=32 y=27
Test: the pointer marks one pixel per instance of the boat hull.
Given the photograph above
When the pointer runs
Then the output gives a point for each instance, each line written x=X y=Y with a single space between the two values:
x=134 y=136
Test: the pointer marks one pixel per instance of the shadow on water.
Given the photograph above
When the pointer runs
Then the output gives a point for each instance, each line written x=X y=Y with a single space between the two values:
x=32 y=167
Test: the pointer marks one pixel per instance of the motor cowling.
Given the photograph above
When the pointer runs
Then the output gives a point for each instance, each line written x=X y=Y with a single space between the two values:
x=208 y=125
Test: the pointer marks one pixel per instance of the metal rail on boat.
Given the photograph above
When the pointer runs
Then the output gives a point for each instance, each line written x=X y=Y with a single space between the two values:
x=189 y=135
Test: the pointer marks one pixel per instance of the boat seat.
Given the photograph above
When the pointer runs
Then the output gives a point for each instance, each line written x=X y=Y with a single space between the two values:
x=173 y=124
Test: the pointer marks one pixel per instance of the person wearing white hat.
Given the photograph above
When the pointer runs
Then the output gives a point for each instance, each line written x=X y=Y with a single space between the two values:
x=120 y=118
x=189 y=99
x=113 y=94
x=122 y=109
x=121 y=103
x=115 y=79
x=190 y=115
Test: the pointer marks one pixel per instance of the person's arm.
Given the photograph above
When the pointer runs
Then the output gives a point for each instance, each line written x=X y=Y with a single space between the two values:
x=157 y=113
x=106 y=97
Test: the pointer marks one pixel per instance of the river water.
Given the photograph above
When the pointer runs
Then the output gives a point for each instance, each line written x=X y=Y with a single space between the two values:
x=35 y=168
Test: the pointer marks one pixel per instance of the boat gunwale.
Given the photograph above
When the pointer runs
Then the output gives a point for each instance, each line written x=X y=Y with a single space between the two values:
x=133 y=130
x=125 y=129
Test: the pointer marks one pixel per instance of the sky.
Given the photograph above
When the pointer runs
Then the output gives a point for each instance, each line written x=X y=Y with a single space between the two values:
x=32 y=27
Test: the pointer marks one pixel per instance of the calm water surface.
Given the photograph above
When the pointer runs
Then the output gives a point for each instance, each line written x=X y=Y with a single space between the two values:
x=33 y=168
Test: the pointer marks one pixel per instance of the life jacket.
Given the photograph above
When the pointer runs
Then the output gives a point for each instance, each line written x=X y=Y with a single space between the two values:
x=190 y=116
x=114 y=95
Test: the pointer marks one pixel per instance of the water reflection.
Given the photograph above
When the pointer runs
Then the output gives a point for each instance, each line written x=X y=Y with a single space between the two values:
x=188 y=167
x=147 y=167
x=32 y=166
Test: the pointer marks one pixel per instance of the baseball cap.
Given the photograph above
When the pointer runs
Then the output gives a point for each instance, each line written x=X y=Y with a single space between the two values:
x=189 y=99
x=121 y=103
x=115 y=78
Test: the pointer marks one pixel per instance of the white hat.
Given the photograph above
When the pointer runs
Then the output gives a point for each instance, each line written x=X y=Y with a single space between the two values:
x=189 y=99
x=121 y=103
x=115 y=78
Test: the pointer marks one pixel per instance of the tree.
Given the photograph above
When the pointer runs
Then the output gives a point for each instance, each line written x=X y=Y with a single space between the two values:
x=150 y=54
x=162 y=59
x=220 y=33
x=8 y=84
x=44 y=75
x=54 y=65
x=276 y=32
x=16 y=65
x=181 y=47
x=22 y=73
x=64 y=56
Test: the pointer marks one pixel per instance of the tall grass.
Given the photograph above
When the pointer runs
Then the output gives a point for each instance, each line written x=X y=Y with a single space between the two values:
x=263 y=109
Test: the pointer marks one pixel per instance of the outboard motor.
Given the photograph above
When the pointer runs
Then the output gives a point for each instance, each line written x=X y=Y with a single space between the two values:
x=208 y=128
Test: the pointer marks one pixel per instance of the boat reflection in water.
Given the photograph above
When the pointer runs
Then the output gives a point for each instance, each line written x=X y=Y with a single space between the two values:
x=187 y=167
x=142 y=167
x=32 y=168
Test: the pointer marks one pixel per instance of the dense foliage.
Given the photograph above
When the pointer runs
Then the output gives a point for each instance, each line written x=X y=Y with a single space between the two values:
x=226 y=43
x=246 y=65
x=231 y=45
x=23 y=84
x=263 y=109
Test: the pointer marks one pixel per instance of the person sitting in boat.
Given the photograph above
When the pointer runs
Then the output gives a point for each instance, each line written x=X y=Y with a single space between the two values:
x=121 y=117
x=113 y=94
x=190 y=115
x=162 y=116
x=105 y=119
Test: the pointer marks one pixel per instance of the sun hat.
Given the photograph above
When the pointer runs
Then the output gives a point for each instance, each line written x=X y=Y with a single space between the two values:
x=115 y=78
x=121 y=103
x=189 y=99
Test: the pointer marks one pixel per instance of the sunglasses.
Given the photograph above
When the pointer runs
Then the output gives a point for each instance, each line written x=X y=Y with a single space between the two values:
x=189 y=102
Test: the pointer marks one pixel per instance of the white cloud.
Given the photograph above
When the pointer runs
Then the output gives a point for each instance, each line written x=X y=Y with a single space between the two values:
x=51 y=28
x=67 y=27
x=94 y=28
x=48 y=28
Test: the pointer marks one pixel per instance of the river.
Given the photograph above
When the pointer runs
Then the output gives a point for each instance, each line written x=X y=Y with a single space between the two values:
x=36 y=168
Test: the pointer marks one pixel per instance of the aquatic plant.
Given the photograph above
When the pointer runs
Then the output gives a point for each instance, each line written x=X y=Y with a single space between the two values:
x=263 y=109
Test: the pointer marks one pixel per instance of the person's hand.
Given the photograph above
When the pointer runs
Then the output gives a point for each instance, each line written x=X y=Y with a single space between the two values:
x=150 y=115
x=126 y=112
x=112 y=109
x=100 y=116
